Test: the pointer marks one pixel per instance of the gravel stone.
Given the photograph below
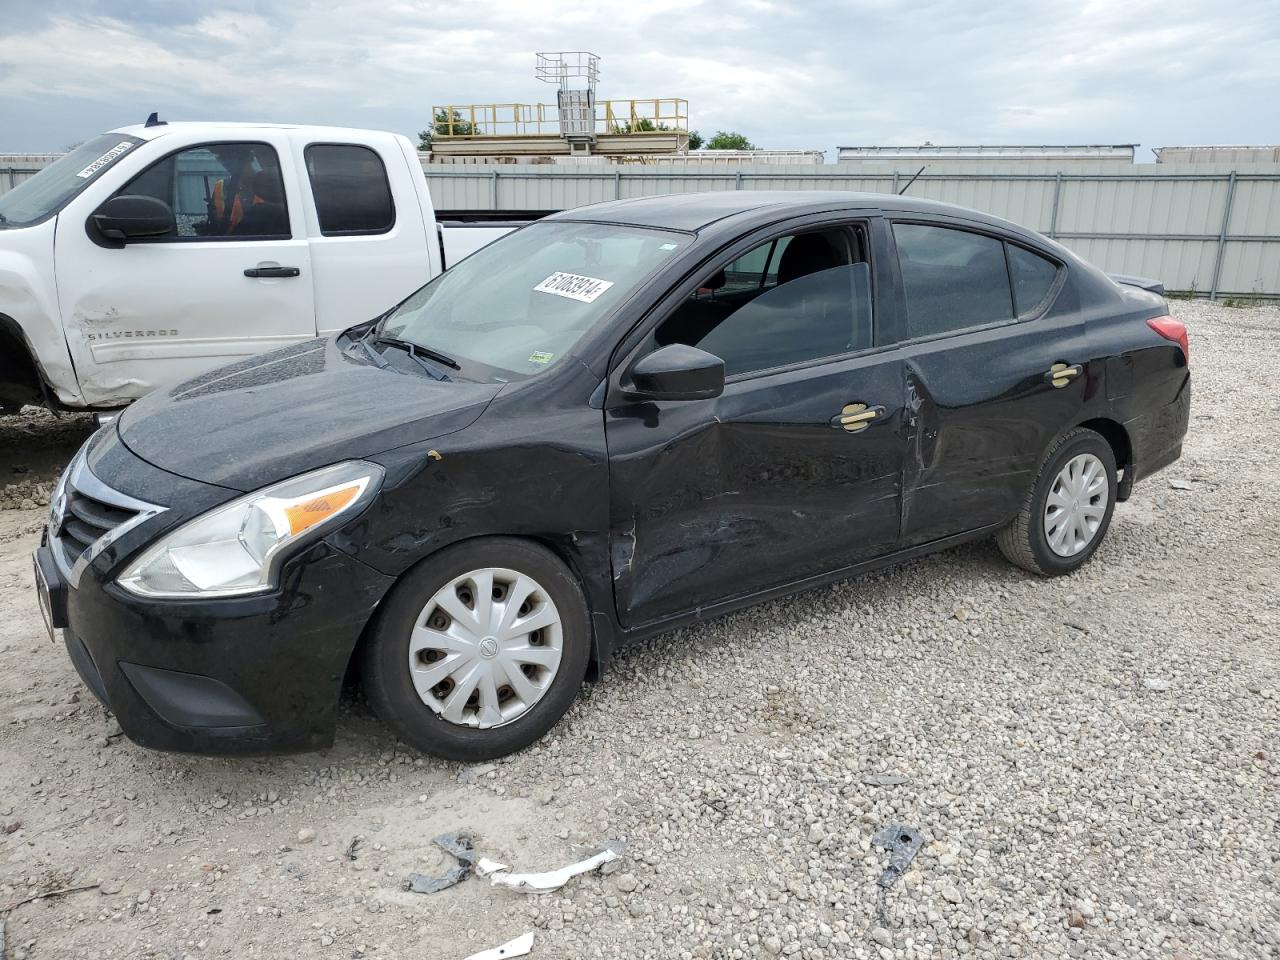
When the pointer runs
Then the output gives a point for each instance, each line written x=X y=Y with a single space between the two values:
x=1069 y=808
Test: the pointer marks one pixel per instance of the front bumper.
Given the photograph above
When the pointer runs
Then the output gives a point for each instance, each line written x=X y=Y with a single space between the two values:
x=242 y=675
x=239 y=676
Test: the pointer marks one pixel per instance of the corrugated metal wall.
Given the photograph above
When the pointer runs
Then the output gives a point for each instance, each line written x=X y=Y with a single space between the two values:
x=1199 y=227
x=1166 y=221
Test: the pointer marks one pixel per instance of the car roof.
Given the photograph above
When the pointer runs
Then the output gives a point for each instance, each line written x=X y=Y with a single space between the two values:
x=215 y=129
x=695 y=211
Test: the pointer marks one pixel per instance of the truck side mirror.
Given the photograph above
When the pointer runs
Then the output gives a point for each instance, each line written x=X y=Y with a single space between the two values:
x=128 y=218
x=677 y=372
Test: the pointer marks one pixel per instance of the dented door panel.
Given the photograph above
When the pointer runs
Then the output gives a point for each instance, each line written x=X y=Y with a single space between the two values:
x=152 y=313
x=723 y=498
x=982 y=415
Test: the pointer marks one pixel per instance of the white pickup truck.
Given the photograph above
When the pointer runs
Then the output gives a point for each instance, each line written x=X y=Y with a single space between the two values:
x=154 y=252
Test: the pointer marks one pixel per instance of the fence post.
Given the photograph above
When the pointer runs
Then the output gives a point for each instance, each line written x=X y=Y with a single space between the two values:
x=1222 y=236
x=895 y=183
x=1053 y=217
x=737 y=180
x=493 y=191
x=617 y=185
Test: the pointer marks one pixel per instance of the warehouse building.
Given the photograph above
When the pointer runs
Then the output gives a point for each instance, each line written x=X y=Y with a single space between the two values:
x=1059 y=156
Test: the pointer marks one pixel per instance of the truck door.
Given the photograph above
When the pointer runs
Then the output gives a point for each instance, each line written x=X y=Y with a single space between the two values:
x=370 y=246
x=232 y=279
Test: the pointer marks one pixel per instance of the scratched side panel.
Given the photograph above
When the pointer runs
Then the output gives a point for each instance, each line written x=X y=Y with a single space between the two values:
x=533 y=465
x=716 y=499
x=983 y=414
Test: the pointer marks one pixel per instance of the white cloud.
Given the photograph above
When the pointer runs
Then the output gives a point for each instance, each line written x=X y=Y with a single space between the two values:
x=788 y=74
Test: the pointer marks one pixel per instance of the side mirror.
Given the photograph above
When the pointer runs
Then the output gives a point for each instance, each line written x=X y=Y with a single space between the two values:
x=134 y=218
x=677 y=372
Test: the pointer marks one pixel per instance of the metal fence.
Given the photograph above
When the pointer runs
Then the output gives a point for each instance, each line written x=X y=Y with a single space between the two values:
x=10 y=177
x=1206 y=232
x=1201 y=228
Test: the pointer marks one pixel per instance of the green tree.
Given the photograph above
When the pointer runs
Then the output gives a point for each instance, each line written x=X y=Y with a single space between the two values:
x=640 y=125
x=461 y=128
x=728 y=140
x=695 y=140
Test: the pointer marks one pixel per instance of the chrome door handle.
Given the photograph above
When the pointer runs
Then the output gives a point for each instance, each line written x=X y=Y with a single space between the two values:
x=856 y=417
x=1060 y=374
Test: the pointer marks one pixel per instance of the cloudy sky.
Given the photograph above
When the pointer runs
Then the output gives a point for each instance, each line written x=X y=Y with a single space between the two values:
x=797 y=74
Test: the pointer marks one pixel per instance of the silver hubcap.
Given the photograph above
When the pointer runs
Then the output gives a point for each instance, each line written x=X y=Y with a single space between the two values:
x=486 y=647
x=1076 y=504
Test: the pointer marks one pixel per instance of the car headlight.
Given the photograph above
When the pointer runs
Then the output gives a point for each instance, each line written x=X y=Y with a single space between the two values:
x=232 y=549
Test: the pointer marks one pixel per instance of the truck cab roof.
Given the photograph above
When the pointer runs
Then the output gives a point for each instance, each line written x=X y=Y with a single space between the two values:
x=215 y=129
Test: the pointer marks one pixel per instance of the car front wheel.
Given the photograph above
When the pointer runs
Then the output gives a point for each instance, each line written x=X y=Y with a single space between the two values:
x=1067 y=510
x=479 y=651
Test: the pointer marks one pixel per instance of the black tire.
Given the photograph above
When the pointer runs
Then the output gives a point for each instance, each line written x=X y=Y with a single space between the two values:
x=385 y=672
x=1023 y=542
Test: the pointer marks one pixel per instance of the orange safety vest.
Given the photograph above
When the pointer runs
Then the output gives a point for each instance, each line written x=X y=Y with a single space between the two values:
x=220 y=206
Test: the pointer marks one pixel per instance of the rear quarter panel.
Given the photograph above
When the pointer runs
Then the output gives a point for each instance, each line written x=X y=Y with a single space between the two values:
x=1148 y=381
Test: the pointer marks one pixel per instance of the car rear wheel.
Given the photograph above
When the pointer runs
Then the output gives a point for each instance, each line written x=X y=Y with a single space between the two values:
x=479 y=651
x=1067 y=510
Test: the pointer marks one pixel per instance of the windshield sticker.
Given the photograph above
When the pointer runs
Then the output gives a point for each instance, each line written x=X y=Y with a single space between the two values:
x=585 y=289
x=540 y=356
x=105 y=159
x=668 y=246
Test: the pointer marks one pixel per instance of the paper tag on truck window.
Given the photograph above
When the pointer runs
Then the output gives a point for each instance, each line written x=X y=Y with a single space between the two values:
x=585 y=289
x=103 y=160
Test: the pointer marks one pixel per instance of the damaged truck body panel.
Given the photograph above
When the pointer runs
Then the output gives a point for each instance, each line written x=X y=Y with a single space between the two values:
x=613 y=422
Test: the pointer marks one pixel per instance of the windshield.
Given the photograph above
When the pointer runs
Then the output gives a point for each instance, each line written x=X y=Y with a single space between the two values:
x=522 y=302
x=49 y=190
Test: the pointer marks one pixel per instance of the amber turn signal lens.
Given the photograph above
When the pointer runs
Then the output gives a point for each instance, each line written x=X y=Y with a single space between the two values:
x=304 y=514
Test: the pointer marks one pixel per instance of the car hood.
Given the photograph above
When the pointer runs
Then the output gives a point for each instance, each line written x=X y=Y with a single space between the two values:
x=291 y=410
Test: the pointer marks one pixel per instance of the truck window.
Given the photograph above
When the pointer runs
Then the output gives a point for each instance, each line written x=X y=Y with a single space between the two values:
x=349 y=183
x=230 y=191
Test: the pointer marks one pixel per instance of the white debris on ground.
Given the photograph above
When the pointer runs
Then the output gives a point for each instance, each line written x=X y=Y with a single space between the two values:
x=1093 y=763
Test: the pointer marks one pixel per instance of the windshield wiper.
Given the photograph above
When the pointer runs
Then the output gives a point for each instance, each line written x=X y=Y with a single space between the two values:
x=416 y=349
x=378 y=359
x=420 y=355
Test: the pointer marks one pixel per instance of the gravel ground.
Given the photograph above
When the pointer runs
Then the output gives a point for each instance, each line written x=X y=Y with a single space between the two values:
x=1094 y=763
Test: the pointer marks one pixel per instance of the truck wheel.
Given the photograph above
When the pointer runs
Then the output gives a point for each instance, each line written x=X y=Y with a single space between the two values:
x=1067 y=510
x=479 y=650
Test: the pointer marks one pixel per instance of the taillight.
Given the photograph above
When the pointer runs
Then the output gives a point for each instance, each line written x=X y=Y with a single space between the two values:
x=1174 y=330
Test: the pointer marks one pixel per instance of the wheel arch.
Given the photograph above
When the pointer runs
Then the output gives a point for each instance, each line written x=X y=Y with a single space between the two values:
x=603 y=629
x=1117 y=438
x=19 y=376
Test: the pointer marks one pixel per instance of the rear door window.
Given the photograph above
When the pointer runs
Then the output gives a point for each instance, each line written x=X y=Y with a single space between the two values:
x=952 y=279
x=1032 y=276
x=351 y=190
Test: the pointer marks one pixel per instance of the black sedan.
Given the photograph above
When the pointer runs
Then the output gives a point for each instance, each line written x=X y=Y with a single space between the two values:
x=612 y=422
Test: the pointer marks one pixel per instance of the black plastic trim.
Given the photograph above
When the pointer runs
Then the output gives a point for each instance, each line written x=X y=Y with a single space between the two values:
x=189 y=699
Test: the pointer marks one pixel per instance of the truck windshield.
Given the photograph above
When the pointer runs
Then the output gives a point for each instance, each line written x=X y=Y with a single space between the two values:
x=521 y=303
x=49 y=190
